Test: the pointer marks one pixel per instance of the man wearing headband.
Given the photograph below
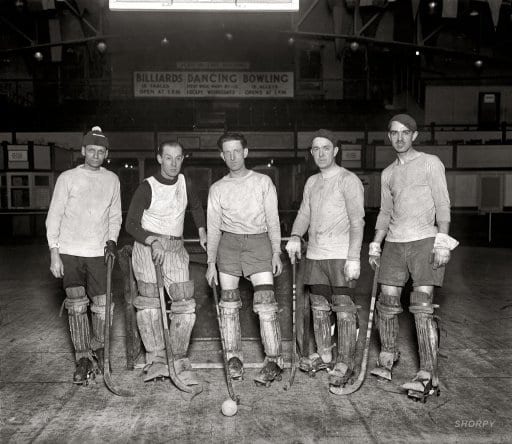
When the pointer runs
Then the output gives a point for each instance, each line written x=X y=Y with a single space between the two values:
x=82 y=228
x=332 y=211
x=414 y=219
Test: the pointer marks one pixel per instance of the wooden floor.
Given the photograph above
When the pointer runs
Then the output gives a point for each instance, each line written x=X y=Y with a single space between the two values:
x=39 y=403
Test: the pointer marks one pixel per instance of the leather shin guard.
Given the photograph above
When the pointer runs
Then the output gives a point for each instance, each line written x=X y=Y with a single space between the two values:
x=150 y=327
x=98 y=320
x=426 y=329
x=388 y=309
x=269 y=326
x=182 y=316
x=322 y=326
x=76 y=304
x=230 y=317
x=346 y=313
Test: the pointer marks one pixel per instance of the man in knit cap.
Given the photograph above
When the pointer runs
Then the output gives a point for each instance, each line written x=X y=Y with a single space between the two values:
x=82 y=228
x=244 y=239
x=414 y=219
x=332 y=212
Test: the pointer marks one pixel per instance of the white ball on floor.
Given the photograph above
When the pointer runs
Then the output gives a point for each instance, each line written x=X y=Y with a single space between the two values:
x=229 y=407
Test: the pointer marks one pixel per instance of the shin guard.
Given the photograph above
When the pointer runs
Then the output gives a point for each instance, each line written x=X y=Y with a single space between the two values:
x=150 y=325
x=346 y=313
x=76 y=304
x=388 y=309
x=269 y=325
x=322 y=326
x=98 y=320
x=426 y=329
x=230 y=318
x=182 y=317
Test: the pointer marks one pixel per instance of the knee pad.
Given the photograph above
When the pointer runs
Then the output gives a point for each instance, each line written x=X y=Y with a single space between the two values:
x=142 y=303
x=389 y=305
x=148 y=289
x=179 y=291
x=76 y=301
x=230 y=295
x=187 y=306
x=342 y=303
x=319 y=303
x=264 y=302
x=98 y=305
x=422 y=303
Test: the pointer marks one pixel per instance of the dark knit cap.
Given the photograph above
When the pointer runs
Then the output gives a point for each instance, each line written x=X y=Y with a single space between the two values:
x=95 y=137
x=326 y=134
x=406 y=120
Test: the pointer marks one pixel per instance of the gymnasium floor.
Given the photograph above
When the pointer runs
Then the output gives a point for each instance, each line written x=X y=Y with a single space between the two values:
x=39 y=403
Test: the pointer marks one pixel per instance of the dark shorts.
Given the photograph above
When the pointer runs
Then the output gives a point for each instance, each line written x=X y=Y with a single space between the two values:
x=88 y=272
x=403 y=259
x=326 y=272
x=244 y=254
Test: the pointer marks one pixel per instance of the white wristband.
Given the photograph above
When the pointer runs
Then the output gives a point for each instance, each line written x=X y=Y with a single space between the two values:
x=445 y=241
x=375 y=249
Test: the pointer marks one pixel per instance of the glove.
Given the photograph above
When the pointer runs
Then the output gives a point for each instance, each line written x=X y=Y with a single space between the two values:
x=374 y=255
x=352 y=270
x=443 y=244
x=110 y=250
x=293 y=248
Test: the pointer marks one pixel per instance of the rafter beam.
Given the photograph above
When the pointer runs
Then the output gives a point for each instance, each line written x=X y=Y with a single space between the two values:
x=305 y=15
x=80 y=17
x=16 y=30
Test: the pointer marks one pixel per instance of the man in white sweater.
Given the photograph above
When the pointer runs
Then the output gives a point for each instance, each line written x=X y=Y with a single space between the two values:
x=332 y=209
x=82 y=228
x=244 y=239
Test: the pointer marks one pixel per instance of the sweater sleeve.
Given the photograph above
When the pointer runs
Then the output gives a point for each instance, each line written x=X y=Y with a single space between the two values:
x=386 y=204
x=194 y=204
x=141 y=201
x=56 y=211
x=214 y=220
x=303 y=219
x=437 y=181
x=353 y=192
x=272 y=215
x=115 y=214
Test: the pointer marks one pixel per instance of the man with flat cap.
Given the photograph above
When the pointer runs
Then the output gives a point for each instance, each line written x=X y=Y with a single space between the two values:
x=414 y=219
x=332 y=212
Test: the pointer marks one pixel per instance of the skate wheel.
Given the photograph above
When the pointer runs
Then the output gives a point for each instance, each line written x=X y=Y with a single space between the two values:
x=311 y=374
x=424 y=400
x=279 y=378
x=267 y=384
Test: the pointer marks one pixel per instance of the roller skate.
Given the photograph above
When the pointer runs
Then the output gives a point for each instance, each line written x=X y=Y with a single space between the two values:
x=422 y=386
x=268 y=374
x=98 y=362
x=236 y=368
x=155 y=371
x=384 y=365
x=84 y=372
x=313 y=364
x=340 y=375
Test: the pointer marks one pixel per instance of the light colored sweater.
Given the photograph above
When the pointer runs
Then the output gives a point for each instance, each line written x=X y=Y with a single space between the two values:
x=85 y=212
x=333 y=209
x=242 y=205
x=413 y=196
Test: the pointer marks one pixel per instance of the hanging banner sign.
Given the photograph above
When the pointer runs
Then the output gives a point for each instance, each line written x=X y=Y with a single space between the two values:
x=234 y=84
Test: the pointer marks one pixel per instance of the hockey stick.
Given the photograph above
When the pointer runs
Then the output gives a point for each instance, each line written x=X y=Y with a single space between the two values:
x=229 y=383
x=168 y=349
x=106 y=358
x=349 y=389
x=293 y=369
